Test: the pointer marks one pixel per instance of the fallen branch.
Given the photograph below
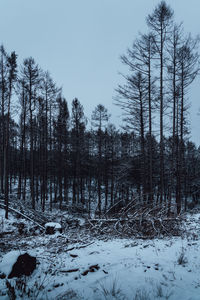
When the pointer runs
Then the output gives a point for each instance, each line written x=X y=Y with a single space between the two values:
x=69 y=271
x=22 y=215
x=80 y=247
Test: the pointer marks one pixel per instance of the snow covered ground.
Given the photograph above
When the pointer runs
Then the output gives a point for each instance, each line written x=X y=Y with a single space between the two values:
x=111 y=269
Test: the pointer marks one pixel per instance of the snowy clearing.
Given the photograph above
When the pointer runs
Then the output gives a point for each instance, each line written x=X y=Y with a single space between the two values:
x=133 y=269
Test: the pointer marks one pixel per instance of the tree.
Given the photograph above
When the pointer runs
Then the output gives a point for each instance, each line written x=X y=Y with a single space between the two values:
x=3 y=90
x=61 y=126
x=49 y=93
x=132 y=99
x=23 y=101
x=174 y=42
x=140 y=59
x=99 y=117
x=77 y=139
x=188 y=59
x=12 y=74
x=113 y=133
x=8 y=73
x=160 y=22
x=30 y=75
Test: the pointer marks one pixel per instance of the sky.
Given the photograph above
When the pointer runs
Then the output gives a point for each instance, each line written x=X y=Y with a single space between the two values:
x=80 y=43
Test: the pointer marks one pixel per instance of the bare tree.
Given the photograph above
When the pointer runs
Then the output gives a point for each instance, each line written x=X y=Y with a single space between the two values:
x=140 y=58
x=49 y=92
x=78 y=121
x=99 y=117
x=174 y=44
x=61 y=128
x=132 y=99
x=188 y=59
x=159 y=22
x=30 y=74
x=3 y=90
x=12 y=73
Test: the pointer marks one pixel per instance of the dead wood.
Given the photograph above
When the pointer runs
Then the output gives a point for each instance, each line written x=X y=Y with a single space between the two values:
x=140 y=220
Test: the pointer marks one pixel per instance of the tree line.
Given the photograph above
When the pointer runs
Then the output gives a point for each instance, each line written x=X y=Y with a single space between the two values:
x=162 y=65
x=50 y=158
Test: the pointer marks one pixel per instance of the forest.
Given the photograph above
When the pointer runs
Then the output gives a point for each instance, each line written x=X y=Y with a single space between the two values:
x=51 y=158
x=95 y=210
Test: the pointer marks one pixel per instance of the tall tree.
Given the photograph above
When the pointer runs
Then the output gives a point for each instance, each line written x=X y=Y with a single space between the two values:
x=30 y=74
x=77 y=139
x=188 y=59
x=61 y=128
x=132 y=99
x=23 y=104
x=12 y=75
x=140 y=58
x=3 y=91
x=99 y=117
x=160 y=22
x=174 y=44
x=49 y=93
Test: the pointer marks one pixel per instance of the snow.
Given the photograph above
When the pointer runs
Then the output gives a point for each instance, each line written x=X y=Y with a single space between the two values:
x=54 y=225
x=6 y=225
x=8 y=261
x=167 y=268
x=149 y=266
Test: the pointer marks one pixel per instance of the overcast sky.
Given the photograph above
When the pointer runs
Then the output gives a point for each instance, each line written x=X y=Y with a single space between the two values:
x=80 y=42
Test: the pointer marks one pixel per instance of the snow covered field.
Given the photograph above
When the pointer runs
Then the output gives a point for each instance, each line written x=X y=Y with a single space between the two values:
x=111 y=268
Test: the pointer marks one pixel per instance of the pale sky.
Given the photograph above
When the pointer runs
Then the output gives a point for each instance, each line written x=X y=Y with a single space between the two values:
x=80 y=42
